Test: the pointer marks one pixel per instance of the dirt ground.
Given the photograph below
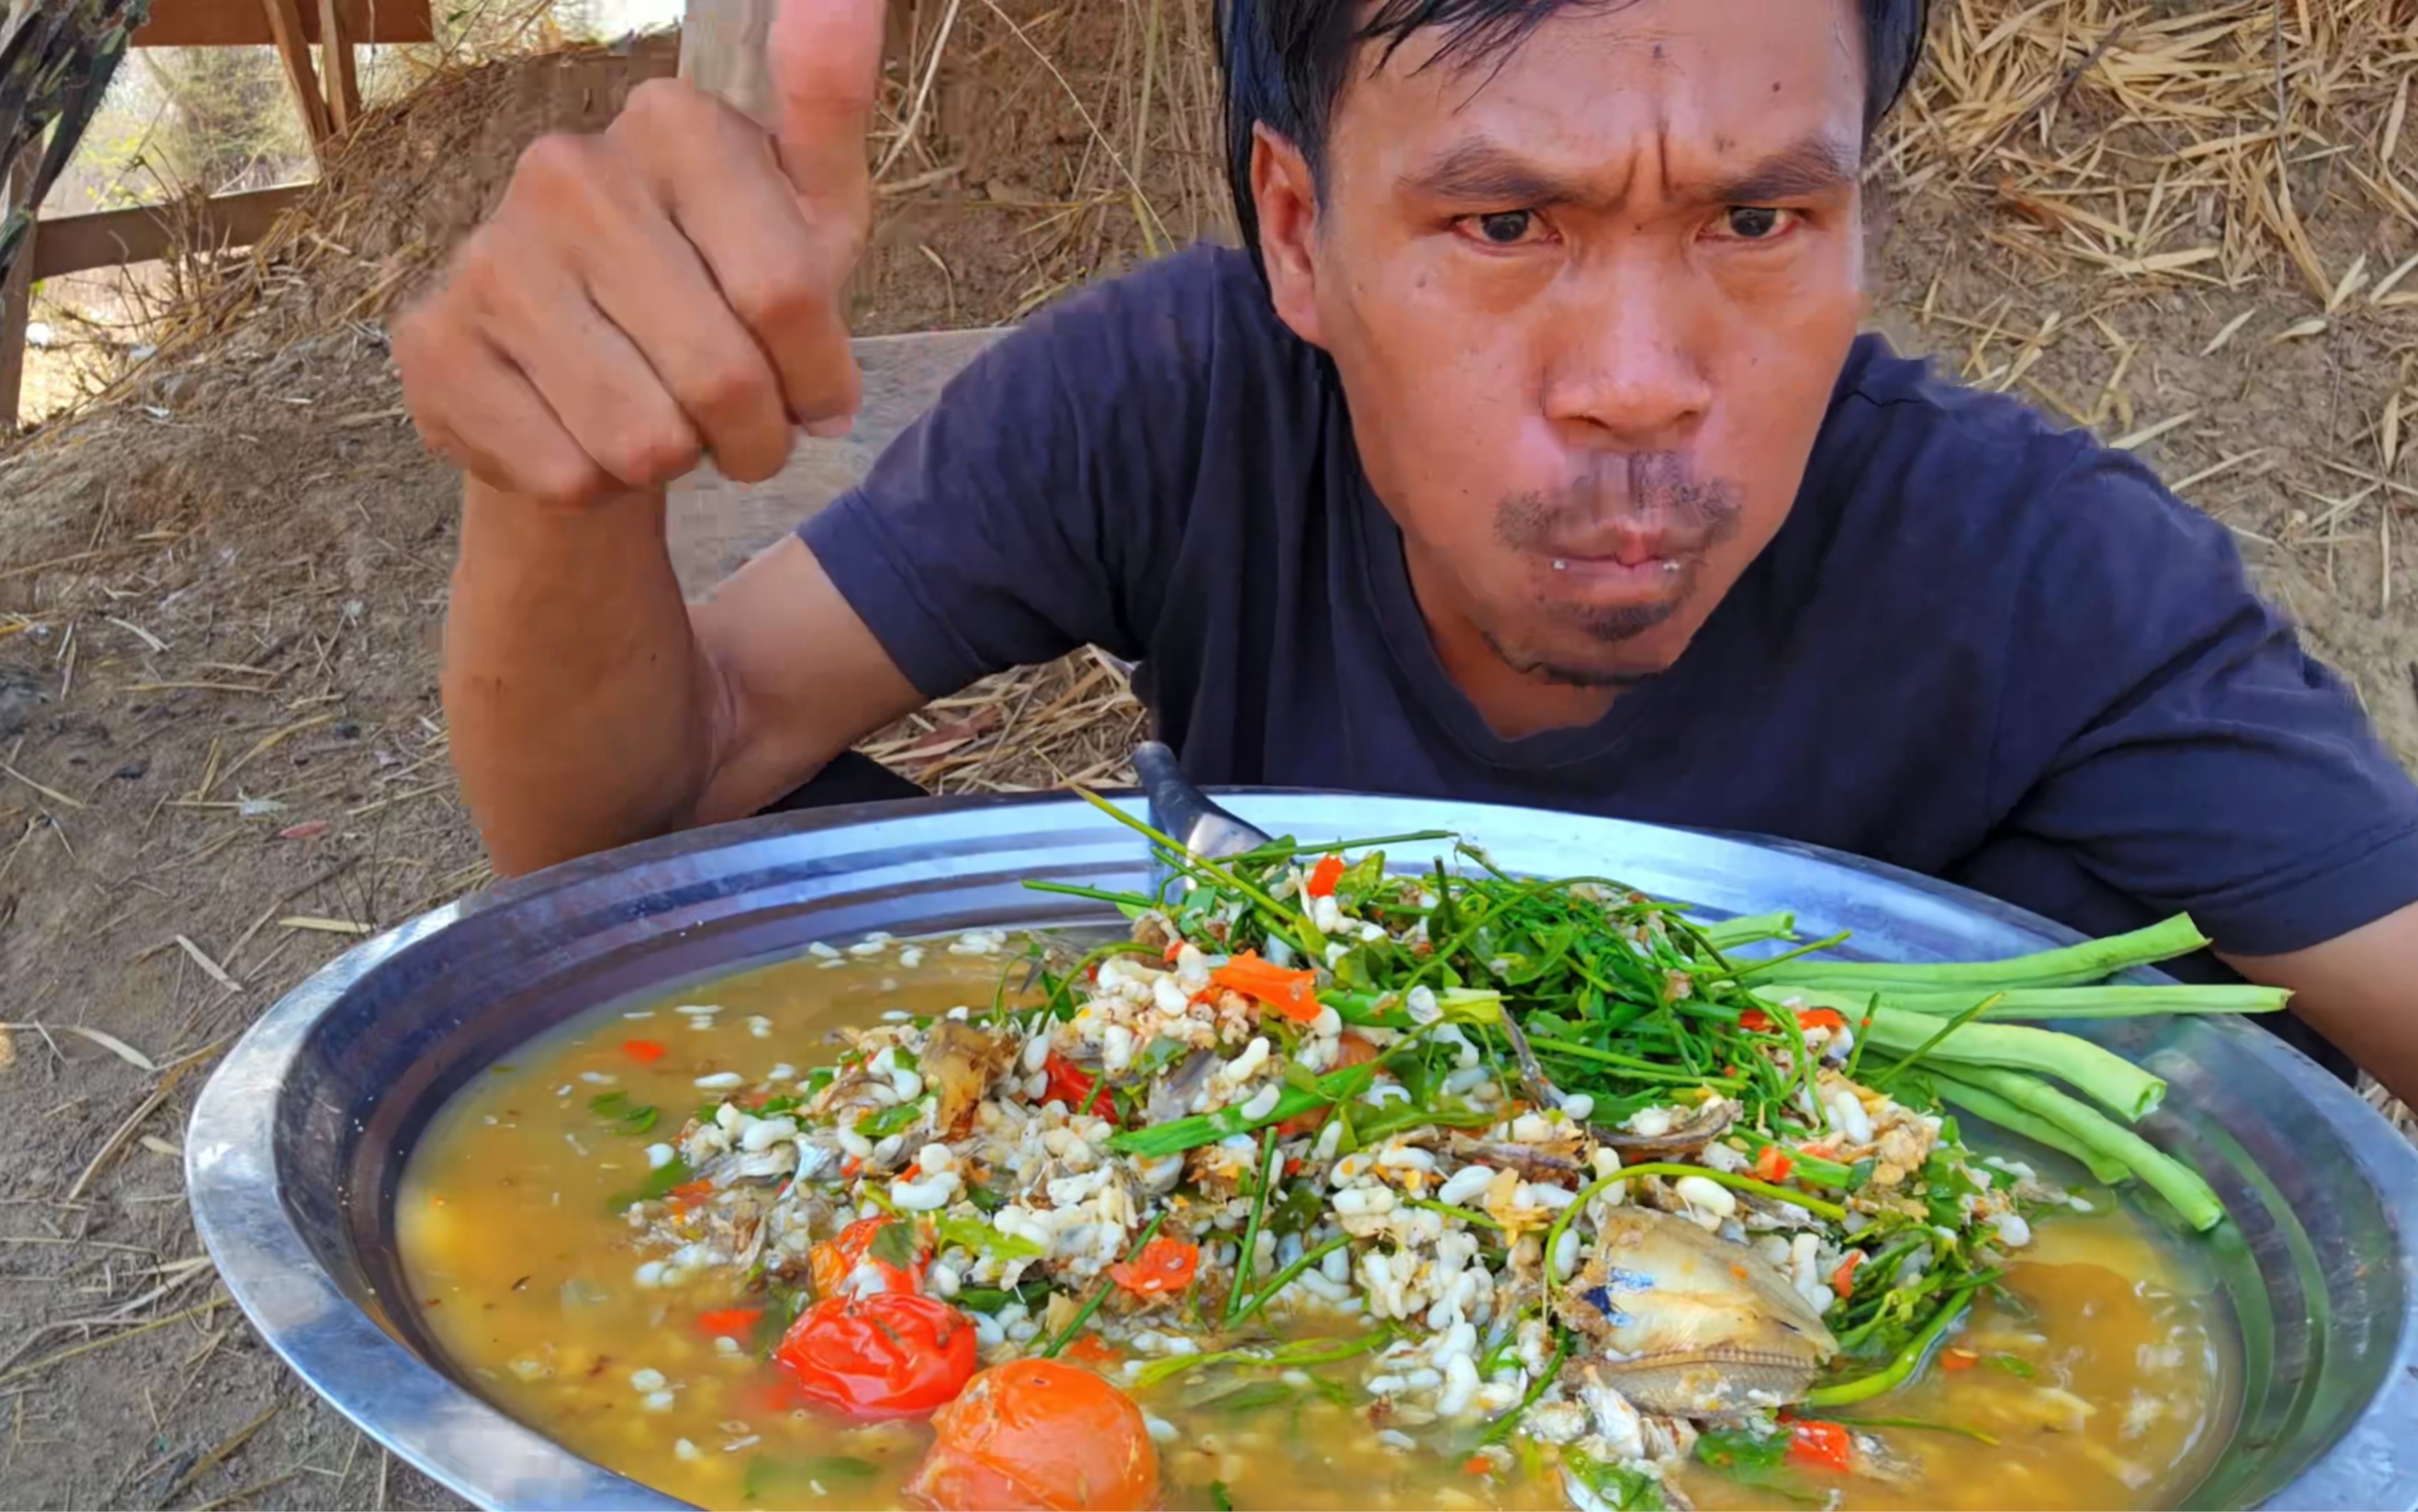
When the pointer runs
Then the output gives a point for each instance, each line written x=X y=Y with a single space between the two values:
x=222 y=756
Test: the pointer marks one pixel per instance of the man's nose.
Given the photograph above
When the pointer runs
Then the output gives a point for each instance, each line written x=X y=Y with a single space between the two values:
x=1619 y=360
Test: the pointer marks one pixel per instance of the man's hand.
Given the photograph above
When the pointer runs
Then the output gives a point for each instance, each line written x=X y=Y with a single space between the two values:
x=668 y=288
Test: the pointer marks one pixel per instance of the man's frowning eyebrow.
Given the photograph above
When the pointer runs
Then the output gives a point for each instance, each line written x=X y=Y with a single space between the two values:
x=1476 y=170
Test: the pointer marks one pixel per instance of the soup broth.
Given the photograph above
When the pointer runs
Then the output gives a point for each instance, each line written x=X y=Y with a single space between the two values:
x=2093 y=1376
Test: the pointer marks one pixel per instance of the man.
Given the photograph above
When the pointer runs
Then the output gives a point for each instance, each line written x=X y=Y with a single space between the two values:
x=1530 y=454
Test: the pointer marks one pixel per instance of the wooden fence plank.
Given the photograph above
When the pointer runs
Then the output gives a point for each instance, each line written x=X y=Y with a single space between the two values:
x=109 y=239
x=240 y=24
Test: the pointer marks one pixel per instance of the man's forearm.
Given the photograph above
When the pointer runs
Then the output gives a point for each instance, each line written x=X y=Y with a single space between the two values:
x=581 y=712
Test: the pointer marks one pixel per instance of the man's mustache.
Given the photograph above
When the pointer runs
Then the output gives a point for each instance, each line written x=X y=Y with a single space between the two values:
x=1655 y=494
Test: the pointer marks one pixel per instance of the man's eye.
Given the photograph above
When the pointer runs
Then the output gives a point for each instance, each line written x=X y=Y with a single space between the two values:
x=1505 y=228
x=1756 y=223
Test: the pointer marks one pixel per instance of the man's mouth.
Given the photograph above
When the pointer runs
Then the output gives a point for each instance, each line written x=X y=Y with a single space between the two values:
x=1627 y=573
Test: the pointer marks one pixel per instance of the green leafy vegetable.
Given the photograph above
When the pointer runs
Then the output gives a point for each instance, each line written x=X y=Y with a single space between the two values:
x=627 y=1117
x=893 y=1244
x=657 y=1184
x=982 y=1239
x=891 y=1121
x=788 y=1482
x=1616 y=1486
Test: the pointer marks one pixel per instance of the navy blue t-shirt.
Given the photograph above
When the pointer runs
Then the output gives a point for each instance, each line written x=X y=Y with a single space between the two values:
x=1979 y=647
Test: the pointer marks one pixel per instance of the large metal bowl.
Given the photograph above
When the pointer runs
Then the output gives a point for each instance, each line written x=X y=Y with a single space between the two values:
x=299 y=1141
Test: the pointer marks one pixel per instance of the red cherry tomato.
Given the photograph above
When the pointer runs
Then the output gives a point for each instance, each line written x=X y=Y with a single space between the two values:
x=893 y=1355
x=1072 y=1085
x=1038 y=1436
x=1821 y=1446
x=835 y=1259
x=646 y=1052
x=730 y=1322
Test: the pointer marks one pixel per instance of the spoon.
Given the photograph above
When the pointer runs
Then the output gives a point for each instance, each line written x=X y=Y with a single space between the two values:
x=1184 y=813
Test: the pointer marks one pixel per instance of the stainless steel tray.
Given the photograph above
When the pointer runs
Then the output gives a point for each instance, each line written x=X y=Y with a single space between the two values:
x=297 y=1143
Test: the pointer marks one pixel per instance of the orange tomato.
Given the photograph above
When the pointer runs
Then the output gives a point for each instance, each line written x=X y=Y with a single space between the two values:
x=888 y=1355
x=1038 y=1436
x=1821 y=1446
x=1772 y=1164
x=646 y=1052
x=835 y=1259
x=1164 y=1265
x=730 y=1322
x=1323 y=876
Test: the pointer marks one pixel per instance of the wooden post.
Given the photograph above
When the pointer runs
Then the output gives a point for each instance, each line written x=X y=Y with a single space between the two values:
x=294 y=50
x=721 y=51
x=336 y=69
x=17 y=292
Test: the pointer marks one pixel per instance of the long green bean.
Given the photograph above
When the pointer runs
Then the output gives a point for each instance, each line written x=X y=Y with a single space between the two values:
x=1991 y=1109
x=2169 y=1178
x=2090 y=961
x=2045 y=1005
x=2104 y=1074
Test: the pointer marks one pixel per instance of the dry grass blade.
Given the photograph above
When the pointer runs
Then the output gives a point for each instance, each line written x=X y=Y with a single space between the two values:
x=52 y=793
x=115 y=1047
x=210 y=968
x=224 y=1449
x=132 y=1330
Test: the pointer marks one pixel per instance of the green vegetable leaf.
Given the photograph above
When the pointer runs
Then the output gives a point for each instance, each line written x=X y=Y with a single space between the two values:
x=893 y=1244
x=1219 y=1497
x=990 y=1298
x=891 y=1121
x=1730 y=1450
x=788 y=1482
x=1245 y=1396
x=2012 y=1365
x=1619 y=1487
x=658 y=1184
x=782 y=1305
x=614 y=1107
x=980 y=1238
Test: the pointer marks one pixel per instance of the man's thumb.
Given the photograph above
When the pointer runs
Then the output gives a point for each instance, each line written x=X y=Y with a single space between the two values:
x=824 y=59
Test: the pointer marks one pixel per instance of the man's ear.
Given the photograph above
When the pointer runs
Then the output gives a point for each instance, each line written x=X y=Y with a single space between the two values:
x=1287 y=199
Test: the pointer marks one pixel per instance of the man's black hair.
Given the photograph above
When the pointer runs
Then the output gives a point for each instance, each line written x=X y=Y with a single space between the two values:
x=1285 y=63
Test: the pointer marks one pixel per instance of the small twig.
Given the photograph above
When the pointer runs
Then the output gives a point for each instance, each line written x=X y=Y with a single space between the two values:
x=89 y=1345
x=210 y=1461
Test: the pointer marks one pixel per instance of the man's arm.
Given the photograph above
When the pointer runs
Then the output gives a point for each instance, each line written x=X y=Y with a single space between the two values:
x=667 y=289
x=590 y=707
x=2356 y=989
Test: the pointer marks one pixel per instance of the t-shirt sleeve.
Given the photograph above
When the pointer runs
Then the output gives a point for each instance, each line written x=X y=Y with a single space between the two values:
x=1027 y=512
x=2164 y=725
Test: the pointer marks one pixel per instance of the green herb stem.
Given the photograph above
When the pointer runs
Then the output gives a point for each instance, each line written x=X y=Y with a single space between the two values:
x=1285 y=1278
x=1908 y=1360
x=1100 y=1293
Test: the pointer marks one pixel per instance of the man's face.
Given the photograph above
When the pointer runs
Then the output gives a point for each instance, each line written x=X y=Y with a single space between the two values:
x=1588 y=300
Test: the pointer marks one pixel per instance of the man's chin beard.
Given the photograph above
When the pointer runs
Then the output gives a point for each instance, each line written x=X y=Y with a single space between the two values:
x=1605 y=627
